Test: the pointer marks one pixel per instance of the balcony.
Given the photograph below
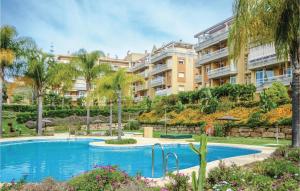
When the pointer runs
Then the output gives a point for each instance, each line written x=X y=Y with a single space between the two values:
x=164 y=92
x=141 y=87
x=267 y=82
x=263 y=61
x=168 y=53
x=198 y=78
x=144 y=74
x=223 y=71
x=161 y=68
x=212 y=56
x=157 y=82
x=212 y=39
x=138 y=66
x=74 y=97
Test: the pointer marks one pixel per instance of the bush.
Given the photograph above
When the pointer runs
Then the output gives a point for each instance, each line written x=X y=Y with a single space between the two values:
x=102 y=178
x=219 y=130
x=278 y=93
x=132 y=125
x=176 y=136
x=120 y=142
x=178 y=182
x=256 y=120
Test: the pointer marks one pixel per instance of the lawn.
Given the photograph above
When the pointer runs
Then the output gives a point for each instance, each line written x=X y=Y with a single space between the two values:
x=24 y=130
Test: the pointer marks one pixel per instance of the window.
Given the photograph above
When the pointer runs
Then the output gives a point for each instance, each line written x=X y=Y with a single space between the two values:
x=232 y=79
x=207 y=68
x=181 y=88
x=180 y=74
x=180 y=61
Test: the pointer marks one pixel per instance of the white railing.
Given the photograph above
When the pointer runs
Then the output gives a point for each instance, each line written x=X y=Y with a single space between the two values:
x=157 y=81
x=263 y=61
x=163 y=92
x=212 y=56
x=138 y=66
x=223 y=71
x=267 y=82
x=144 y=74
x=170 y=52
x=198 y=78
x=141 y=87
x=212 y=39
x=161 y=68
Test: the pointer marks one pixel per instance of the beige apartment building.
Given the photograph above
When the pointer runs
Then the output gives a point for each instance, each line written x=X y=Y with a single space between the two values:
x=79 y=88
x=257 y=65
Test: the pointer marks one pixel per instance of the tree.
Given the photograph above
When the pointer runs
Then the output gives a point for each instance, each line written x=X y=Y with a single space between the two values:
x=63 y=78
x=12 y=48
x=119 y=84
x=271 y=21
x=39 y=70
x=87 y=66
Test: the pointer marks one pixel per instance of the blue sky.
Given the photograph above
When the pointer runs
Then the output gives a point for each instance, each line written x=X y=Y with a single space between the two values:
x=113 y=26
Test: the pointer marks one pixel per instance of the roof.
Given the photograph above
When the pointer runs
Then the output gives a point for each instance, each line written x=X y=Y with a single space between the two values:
x=214 y=27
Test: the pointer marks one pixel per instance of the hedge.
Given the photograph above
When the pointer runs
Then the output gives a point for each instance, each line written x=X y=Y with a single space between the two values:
x=176 y=136
x=26 y=116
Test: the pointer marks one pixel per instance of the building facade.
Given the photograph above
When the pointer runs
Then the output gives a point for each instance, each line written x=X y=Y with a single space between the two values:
x=257 y=65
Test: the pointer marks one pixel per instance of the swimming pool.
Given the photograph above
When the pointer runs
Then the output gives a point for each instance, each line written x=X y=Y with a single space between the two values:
x=62 y=159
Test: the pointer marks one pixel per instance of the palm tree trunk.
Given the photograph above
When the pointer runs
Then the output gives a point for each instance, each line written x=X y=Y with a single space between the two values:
x=119 y=114
x=1 y=99
x=40 y=114
x=295 y=101
x=88 y=85
x=110 y=118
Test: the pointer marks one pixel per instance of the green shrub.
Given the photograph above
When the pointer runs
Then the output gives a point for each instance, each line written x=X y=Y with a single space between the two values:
x=278 y=93
x=276 y=168
x=176 y=136
x=266 y=103
x=285 y=121
x=132 y=125
x=102 y=178
x=219 y=130
x=178 y=182
x=120 y=142
x=256 y=119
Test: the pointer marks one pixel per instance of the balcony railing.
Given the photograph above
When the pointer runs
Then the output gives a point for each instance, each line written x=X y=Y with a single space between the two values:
x=198 y=78
x=161 y=68
x=141 y=87
x=212 y=39
x=139 y=66
x=164 y=92
x=263 y=61
x=157 y=81
x=144 y=74
x=267 y=82
x=212 y=56
x=168 y=53
x=223 y=71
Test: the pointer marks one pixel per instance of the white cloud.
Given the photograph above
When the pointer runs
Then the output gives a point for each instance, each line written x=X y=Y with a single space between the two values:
x=113 y=26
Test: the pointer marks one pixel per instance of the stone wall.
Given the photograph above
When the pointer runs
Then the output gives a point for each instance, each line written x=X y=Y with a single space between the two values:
x=284 y=132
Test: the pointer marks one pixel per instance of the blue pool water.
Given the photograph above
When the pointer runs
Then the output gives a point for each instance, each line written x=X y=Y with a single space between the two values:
x=62 y=159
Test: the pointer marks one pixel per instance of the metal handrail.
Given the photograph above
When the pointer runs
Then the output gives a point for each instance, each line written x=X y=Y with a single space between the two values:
x=177 y=164
x=163 y=159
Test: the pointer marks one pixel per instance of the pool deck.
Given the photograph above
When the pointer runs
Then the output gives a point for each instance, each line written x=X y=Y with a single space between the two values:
x=265 y=152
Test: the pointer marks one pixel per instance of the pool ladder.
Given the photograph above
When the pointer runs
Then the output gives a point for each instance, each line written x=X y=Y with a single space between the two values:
x=164 y=159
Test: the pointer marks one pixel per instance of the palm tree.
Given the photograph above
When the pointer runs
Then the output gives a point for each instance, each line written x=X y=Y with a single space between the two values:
x=87 y=66
x=12 y=48
x=63 y=78
x=271 y=21
x=119 y=84
x=39 y=70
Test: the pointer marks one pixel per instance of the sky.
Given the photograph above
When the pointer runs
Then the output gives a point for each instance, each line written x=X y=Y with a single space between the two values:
x=113 y=26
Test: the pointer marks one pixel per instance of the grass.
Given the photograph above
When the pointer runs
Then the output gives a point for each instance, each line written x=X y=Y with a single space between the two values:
x=24 y=130
x=244 y=140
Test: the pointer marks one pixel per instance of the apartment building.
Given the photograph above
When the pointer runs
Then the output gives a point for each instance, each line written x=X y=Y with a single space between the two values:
x=79 y=88
x=141 y=68
x=213 y=66
x=171 y=69
x=264 y=67
x=257 y=65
